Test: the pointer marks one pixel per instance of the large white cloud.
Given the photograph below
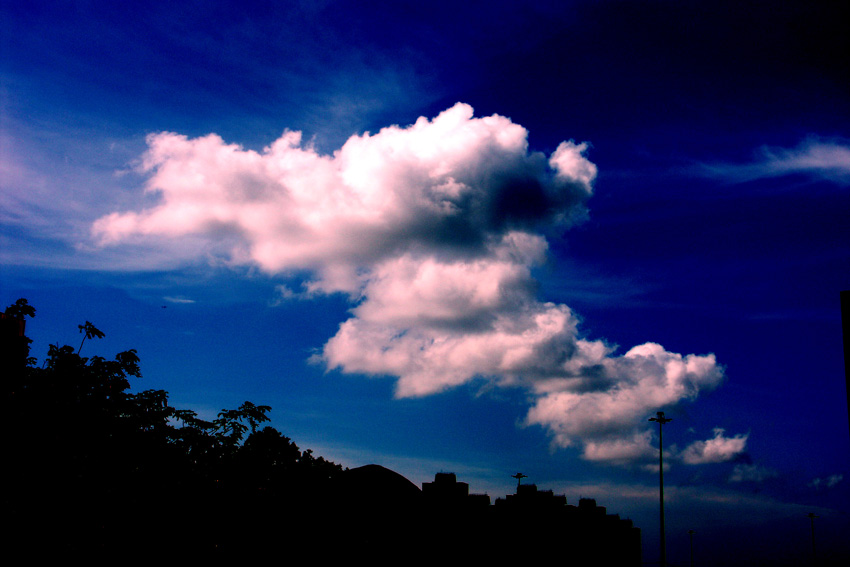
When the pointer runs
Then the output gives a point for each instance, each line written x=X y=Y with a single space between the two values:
x=439 y=186
x=433 y=230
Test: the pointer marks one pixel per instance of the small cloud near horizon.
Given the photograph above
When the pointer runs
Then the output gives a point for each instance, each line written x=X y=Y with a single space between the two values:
x=171 y=299
x=825 y=483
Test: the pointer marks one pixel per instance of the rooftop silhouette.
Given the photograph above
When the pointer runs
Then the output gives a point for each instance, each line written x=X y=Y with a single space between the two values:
x=445 y=522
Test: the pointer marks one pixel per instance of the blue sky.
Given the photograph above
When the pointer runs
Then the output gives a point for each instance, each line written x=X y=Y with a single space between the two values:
x=471 y=237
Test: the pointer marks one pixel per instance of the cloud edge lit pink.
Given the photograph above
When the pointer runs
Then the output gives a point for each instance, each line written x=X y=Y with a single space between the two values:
x=433 y=231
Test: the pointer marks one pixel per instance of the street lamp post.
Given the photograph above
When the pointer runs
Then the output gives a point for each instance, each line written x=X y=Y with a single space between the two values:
x=691 y=534
x=811 y=516
x=661 y=420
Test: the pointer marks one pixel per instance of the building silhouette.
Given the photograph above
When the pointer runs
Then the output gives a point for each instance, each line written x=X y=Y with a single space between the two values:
x=443 y=522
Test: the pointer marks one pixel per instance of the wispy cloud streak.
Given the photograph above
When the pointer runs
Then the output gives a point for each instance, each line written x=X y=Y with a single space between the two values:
x=822 y=160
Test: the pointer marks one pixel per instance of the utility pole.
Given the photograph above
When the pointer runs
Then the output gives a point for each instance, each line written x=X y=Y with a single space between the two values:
x=691 y=534
x=845 y=331
x=661 y=420
x=811 y=516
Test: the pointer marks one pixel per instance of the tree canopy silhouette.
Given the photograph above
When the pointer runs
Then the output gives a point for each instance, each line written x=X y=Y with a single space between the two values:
x=101 y=467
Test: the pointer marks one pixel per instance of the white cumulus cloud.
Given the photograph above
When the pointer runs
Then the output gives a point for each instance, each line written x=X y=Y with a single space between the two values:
x=718 y=449
x=433 y=231
x=605 y=401
x=447 y=185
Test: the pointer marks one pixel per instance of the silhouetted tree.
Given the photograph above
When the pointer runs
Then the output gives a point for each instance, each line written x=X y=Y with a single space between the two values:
x=20 y=309
x=91 y=332
x=98 y=467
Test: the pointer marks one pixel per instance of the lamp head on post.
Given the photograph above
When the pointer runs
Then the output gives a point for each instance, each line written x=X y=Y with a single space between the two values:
x=660 y=418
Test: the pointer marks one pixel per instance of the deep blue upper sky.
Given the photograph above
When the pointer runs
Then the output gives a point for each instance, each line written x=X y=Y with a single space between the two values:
x=720 y=134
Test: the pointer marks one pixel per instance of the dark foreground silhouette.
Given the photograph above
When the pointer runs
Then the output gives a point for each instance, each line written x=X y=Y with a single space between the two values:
x=97 y=471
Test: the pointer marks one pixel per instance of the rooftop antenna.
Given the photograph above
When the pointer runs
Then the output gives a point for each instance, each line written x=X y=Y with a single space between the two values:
x=518 y=476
